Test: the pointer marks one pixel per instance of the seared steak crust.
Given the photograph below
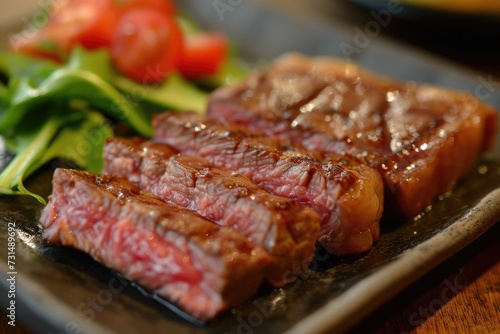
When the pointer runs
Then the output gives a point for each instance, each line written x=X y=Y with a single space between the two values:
x=310 y=150
x=422 y=139
x=170 y=250
x=286 y=229
x=348 y=198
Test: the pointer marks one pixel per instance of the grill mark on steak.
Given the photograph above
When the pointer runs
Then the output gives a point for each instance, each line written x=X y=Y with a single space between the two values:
x=348 y=198
x=191 y=261
x=287 y=230
x=422 y=139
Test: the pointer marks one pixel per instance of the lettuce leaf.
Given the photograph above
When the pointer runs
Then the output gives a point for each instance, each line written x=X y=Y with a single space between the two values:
x=85 y=77
x=60 y=111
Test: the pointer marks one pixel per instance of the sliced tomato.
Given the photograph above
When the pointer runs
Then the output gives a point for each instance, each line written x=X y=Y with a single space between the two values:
x=204 y=54
x=146 y=45
x=166 y=7
x=37 y=45
x=87 y=22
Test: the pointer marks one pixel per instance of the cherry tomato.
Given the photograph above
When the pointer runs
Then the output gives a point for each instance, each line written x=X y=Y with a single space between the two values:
x=166 y=7
x=204 y=54
x=87 y=22
x=146 y=45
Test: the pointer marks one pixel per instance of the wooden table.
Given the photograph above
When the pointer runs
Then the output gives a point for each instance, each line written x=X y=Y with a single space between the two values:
x=462 y=295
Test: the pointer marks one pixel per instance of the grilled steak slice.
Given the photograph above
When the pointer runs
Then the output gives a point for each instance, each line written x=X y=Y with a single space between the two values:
x=422 y=139
x=286 y=229
x=348 y=199
x=170 y=250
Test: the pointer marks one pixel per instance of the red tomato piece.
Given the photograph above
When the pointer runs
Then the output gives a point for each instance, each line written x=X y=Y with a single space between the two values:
x=90 y=23
x=146 y=45
x=37 y=45
x=203 y=55
x=163 y=6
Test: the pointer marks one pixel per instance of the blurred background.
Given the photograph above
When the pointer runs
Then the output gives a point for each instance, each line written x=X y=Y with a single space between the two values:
x=13 y=11
x=465 y=31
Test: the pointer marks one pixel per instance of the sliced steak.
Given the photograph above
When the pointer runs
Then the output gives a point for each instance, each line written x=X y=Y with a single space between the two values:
x=422 y=139
x=191 y=261
x=286 y=229
x=348 y=198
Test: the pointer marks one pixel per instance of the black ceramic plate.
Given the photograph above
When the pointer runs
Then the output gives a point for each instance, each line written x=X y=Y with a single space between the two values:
x=64 y=290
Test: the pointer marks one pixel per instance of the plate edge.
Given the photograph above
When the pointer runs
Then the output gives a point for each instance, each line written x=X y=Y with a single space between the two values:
x=363 y=298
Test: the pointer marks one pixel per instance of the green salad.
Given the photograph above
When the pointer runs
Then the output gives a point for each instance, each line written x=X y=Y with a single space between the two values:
x=61 y=98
